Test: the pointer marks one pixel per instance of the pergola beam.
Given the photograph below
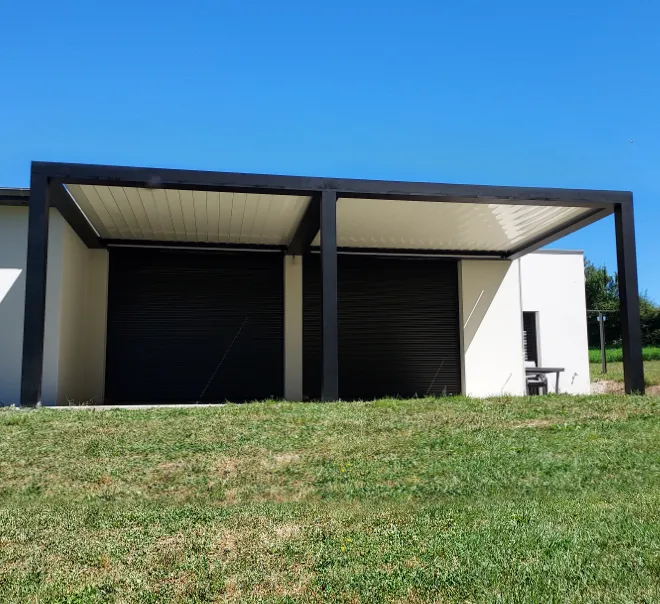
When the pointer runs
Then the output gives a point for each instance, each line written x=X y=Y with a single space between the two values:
x=307 y=229
x=61 y=199
x=193 y=245
x=344 y=187
x=418 y=252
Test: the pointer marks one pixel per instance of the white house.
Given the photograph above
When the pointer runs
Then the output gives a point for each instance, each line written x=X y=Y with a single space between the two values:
x=131 y=285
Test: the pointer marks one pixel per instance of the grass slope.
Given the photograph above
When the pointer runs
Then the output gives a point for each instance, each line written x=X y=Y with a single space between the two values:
x=451 y=500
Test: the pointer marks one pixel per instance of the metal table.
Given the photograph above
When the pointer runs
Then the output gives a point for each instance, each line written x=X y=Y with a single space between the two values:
x=537 y=370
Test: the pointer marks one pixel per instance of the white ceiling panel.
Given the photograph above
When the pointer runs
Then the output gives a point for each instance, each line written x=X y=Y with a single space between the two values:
x=249 y=218
x=401 y=224
x=194 y=216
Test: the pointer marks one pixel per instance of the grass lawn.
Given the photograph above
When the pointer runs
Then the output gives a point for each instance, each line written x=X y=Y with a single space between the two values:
x=615 y=355
x=448 y=500
x=615 y=372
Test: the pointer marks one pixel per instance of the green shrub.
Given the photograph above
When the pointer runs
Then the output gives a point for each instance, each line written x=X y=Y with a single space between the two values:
x=615 y=355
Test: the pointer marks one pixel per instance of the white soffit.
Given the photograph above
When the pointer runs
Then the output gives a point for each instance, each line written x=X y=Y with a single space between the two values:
x=415 y=225
x=193 y=216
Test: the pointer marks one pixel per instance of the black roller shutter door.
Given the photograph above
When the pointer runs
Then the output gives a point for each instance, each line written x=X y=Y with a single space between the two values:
x=398 y=327
x=185 y=326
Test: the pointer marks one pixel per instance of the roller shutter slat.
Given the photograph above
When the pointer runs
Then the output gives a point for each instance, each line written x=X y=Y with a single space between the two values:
x=398 y=327
x=173 y=315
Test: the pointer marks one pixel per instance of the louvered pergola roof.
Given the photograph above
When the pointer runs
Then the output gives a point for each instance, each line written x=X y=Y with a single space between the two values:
x=114 y=205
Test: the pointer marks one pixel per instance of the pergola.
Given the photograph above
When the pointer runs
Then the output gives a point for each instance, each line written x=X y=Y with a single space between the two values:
x=115 y=205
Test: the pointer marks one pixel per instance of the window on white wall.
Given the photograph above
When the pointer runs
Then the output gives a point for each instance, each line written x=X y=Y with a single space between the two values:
x=530 y=338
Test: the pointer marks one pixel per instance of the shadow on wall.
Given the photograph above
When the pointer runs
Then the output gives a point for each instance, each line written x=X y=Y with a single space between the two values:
x=11 y=333
x=477 y=301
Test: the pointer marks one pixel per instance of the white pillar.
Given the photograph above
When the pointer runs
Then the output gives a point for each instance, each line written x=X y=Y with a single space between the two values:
x=293 y=328
x=491 y=317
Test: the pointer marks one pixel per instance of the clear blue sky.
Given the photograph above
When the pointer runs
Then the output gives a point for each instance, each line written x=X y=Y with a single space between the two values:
x=516 y=93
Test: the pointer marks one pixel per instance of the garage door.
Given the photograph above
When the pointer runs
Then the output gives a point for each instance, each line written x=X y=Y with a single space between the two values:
x=187 y=326
x=398 y=327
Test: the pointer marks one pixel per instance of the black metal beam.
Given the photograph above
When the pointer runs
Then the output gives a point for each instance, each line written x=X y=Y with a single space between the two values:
x=347 y=188
x=330 y=319
x=193 y=245
x=559 y=232
x=165 y=178
x=35 y=292
x=14 y=197
x=485 y=194
x=407 y=252
x=62 y=200
x=307 y=229
x=633 y=366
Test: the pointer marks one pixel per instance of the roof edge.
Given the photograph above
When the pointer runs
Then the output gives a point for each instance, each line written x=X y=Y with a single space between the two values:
x=560 y=252
x=14 y=196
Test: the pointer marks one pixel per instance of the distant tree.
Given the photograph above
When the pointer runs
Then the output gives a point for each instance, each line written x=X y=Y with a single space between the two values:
x=602 y=293
x=602 y=289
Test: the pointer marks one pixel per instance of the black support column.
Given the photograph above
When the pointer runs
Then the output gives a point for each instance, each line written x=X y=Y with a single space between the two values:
x=330 y=328
x=633 y=366
x=35 y=292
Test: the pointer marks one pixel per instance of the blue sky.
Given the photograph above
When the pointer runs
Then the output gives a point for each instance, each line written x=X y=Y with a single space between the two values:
x=515 y=93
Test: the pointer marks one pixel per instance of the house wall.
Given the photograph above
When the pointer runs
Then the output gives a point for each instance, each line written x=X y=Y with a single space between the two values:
x=76 y=299
x=13 y=255
x=491 y=323
x=553 y=285
x=83 y=313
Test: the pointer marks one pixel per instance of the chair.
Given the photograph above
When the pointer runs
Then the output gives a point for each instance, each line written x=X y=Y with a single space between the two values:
x=537 y=383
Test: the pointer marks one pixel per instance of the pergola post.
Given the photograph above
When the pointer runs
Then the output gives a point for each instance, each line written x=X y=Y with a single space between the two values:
x=330 y=330
x=35 y=291
x=633 y=366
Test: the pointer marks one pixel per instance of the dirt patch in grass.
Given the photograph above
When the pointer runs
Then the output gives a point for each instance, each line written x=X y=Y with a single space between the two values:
x=287 y=531
x=286 y=458
x=613 y=387
x=224 y=544
x=606 y=387
x=538 y=423
x=226 y=467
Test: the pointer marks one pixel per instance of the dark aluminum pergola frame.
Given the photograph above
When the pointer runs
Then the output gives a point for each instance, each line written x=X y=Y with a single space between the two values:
x=47 y=189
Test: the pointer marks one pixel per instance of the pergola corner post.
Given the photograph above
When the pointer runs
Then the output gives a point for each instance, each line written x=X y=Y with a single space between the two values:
x=35 y=291
x=631 y=329
x=330 y=322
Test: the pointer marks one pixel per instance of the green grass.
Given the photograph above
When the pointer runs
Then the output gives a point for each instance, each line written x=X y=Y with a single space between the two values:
x=449 y=500
x=615 y=372
x=615 y=355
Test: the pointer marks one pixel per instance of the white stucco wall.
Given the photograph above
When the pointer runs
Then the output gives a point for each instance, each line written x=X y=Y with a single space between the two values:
x=553 y=285
x=13 y=254
x=84 y=296
x=76 y=302
x=491 y=320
